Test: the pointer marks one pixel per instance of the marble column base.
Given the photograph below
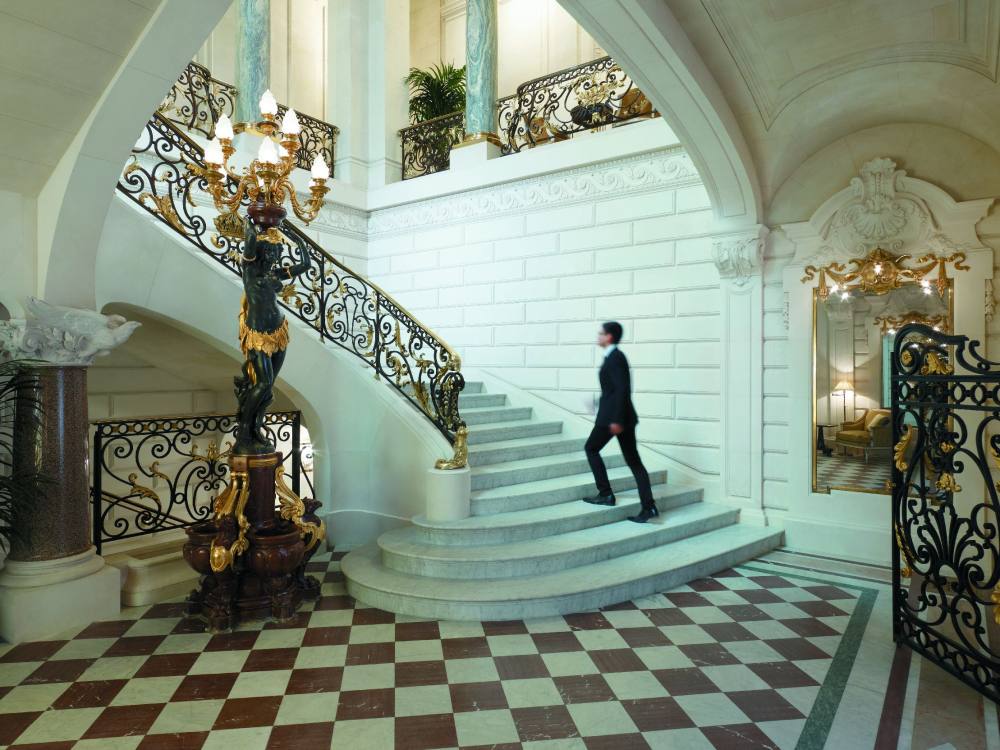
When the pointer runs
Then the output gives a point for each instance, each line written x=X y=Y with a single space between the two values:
x=471 y=155
x=41 y=598
x=448 y=493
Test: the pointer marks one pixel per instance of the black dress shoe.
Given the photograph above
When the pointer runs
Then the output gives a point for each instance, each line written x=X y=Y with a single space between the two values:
x=645 y=514
x=600 y=500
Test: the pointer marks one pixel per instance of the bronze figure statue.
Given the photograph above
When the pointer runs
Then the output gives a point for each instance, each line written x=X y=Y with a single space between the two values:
x=263 y=329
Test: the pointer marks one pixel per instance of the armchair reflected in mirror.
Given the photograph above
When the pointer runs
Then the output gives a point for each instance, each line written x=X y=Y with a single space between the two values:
x=853 y=336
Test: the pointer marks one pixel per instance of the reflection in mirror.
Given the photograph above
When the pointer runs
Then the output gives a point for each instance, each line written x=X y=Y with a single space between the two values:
x=853 y=335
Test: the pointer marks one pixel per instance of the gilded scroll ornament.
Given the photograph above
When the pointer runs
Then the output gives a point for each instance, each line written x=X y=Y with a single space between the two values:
x=899 y=451
x=906 y=566
x=881 y=271
x=292 y=508
x=461 y=458
x=231 y=502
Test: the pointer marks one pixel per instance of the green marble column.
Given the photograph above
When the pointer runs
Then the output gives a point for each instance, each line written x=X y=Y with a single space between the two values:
x=481 y=68
x=253 y=57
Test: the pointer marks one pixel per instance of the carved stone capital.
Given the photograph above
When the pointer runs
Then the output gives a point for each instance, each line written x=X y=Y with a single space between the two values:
x=62 y=335
x=738 y=256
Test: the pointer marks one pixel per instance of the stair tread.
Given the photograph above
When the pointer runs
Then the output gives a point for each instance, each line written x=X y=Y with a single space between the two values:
x=526 y=442
x=483 y=426
x=558 y=459
x=531 y=516
x=583 y=479
x=406 y=541
x=364 y=566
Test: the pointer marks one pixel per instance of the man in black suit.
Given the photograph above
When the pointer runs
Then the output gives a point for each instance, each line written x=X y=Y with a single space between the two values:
x=616 y=417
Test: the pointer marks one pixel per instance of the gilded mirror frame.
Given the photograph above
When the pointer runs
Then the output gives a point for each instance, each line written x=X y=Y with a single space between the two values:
x=941 y=286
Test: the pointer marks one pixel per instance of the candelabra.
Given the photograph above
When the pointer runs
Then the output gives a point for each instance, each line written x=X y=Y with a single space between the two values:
x=266 y=181
x=253 y=552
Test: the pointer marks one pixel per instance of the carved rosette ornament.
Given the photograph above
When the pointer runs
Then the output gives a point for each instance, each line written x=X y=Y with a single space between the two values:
x=738 y=256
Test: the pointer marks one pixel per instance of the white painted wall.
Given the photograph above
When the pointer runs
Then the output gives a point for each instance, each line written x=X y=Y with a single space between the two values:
x=519 y=276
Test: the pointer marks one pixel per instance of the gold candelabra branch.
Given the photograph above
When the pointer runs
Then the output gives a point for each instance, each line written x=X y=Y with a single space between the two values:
x=881 y=271
x=267 y=179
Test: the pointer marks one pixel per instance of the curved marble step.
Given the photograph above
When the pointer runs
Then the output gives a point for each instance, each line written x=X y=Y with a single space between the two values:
x=479 y=400
x=578 y=589
x=520 y=525
x=496 y=414
x=552 y=491
x=473 y=386
x=534 y=469
x=404 y=551
x=491 y=433
x=517 y=449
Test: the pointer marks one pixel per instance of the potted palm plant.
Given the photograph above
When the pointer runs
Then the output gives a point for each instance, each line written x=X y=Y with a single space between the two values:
x=21 y=484
x=436 y=91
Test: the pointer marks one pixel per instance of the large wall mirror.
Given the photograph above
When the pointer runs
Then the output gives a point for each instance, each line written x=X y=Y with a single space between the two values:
x=854 y=329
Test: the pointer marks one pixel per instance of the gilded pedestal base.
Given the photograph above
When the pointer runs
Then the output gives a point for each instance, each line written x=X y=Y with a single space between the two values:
x=252 y=555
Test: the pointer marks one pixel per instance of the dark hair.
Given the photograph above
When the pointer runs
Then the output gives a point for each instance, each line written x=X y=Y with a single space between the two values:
x=614 y=328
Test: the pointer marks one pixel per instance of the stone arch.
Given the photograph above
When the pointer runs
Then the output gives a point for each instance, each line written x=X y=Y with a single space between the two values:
x=73 y=203
x=647 y=40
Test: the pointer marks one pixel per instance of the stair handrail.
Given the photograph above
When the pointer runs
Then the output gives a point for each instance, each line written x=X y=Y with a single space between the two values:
x=166 y=177
x=197 y=100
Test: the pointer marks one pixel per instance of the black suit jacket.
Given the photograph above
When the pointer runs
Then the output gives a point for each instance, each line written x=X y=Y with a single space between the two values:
x=615 y=406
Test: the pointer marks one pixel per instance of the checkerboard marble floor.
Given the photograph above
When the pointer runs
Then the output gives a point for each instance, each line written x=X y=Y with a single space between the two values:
x=765 y=655
x=841 y=470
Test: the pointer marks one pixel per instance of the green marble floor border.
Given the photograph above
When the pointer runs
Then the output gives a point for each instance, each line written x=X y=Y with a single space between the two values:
x=824 y=710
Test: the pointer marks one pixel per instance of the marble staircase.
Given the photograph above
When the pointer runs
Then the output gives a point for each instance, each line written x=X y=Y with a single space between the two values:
x=531 y=547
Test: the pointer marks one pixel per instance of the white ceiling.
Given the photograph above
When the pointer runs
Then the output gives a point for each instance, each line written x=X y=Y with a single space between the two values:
x=800 y=75
x=56 y=58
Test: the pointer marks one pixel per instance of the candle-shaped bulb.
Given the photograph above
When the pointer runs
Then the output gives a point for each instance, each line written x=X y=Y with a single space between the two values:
x=319 y=169
x=267 y=153
x=268 y=105
x=290 y=123
x=213 y=152
x=224 y=128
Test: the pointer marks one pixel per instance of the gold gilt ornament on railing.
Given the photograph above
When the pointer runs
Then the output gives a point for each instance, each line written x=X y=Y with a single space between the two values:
x=267 y=179
x=881 y=271
x=889 y=324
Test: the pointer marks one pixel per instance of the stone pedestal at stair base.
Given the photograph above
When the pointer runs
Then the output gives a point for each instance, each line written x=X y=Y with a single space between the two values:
x=448 y=493
x=41 y=598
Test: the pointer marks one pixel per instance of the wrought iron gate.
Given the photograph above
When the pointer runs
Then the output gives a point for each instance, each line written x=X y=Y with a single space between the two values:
x=946 y=437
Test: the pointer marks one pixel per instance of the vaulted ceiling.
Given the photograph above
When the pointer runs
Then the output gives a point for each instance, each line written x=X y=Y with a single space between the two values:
x=800 y=75
x=56 y=59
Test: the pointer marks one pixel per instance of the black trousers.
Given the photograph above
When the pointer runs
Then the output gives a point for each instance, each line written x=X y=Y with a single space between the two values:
x=601 y=436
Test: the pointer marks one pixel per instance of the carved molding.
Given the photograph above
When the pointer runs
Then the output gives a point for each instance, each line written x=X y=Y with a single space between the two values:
x=885 y=208
x=738 y=23
x=738 y=256
x=665 y=168
x=62 y=335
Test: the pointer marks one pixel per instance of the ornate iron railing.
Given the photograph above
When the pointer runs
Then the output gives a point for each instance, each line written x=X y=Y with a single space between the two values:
x=196 y=101
x=427 y=145
x=165 y=176
x=555 y=106
x=945 y=414
x=162 y=473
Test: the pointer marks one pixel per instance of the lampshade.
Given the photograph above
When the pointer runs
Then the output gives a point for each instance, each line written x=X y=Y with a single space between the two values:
x=224 y=127
x=268 y=105
x=213 y=152
x=320 y=171
x=290 y=123
x=843 y=385
x=267 y=153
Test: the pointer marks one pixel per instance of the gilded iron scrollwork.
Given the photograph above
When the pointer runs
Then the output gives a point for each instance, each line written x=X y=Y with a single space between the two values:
x=343 y=307
x=946 y=406
x=150 y=475
x=427 y=145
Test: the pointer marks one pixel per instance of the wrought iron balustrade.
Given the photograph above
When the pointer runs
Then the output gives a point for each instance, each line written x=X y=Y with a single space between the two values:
x=427 y=145
x=946 y=556
x=555 y=106
x=161 y=473
x=166 y=177
x=197 y=100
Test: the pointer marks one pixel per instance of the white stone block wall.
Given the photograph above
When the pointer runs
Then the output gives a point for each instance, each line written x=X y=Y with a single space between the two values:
x=519 y=277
